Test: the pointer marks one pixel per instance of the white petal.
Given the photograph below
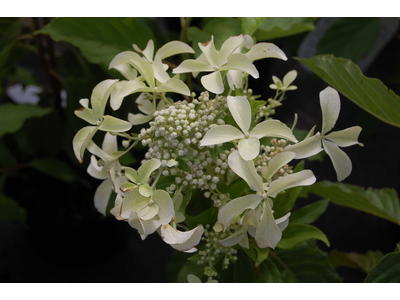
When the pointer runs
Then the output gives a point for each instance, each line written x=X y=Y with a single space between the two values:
x=159 y=72
x=268 y=233
x=193 y=279
x=174 y=85
x=273 y=128
x=277 y=162
x=165 y=204
x=235 y=207
x=137 y=119
x=144 y=104
x=346 y=137
x=173 y=48
x=192 y=65
x=113 y=124
x=213 y=82
x=289 y=78
x=234 y=238
x=145 y=190
x=116 y=210
x=235 y=79
x=122 y=58
x=94 y=170
x=264 y=50
x=330 y=106
x=133 y=201
x=240 y=62
x=307 y=147
x=221 y=134
x=241 y=111
x=147 y=168
x=143 y=227
x=302 y=178
x=123 y=89
x=82 y=139
x=283 y=222
x=148 y=212
x=246 y=170
x=249 y=148
x=341 y=162
x=179 y=240
x=148 y=52
x=228 y=47
x=132 y=175
x=145 y=68
x=96 y=150
x=127 y=71
x=210 y=52
x=100 y=95
x=87 y=114
x=102 y=196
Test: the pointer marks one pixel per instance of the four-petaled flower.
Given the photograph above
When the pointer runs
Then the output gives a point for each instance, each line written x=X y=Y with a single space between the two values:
x=249 y=141
x=286 y=84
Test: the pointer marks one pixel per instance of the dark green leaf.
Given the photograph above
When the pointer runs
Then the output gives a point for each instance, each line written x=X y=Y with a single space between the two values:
x=99 y=39
x=283 y=203
x=7 y=158
x=243 y=269
x=208 y=216
x=350 y=38
x=368 y=93
x=165 y=181
x=179 y=267
x=303 y=264
x=364 y=262
x=383 y=203
x=8 y=37
x=12 y=116
x=10 y=210
x=309 y=213
x=196 y=36
x=388 y=270
x=55 y=168
x=250 y=25
x=269 y=273
x=222 y=29
x=297 y=233
x=272 y=27
x=183 y=165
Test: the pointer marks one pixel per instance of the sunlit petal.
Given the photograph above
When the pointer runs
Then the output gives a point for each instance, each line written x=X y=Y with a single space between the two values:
x=213 y=82
x=113 y=124
x=228 y=47
x=240 y=62
x=249 y=148
x=173 y=48
x=182 y=241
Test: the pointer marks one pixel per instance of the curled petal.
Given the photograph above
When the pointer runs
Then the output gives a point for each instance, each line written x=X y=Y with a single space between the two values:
x=346 y=137
x=330 y=106
x=123 y=89
x=241 y=111
x=273 y=128
x=95 y=171
x=341 y=162
x=100 y=95
x=133 y=201
x=122 y=58
x=159 y=72
x=145 y=68
x=148 y=212
x=302 y=178
x=143 y=227
x=265 y=50
x=182 y=241
x=174 y=85
x=82 y=140
x=173 y=48
x=147 y=168
x=113 y=124
x=307 y=147
x=221 y=134
x=283 y=222
x=249 y=148
x=137 y=119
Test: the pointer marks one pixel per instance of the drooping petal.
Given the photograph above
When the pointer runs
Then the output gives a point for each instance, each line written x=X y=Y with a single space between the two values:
x=137 y=119
x=148 y=212
x=265 y=50
x=173 y=48
x=144 y=228
x=165 y=204
x=346 y=137
x=241 y=111
x=159 y=72
x=113 y=124
x=235 y=79
x=133 y=201
x=100 y=95
x=192 y=65
x=109 y=144
x=330 y=106
x=268 y=233
x=234 y=238
x=235 y=207
x=283 y=222
x=210 y=52
x=123 y=89
x=302 y=178
x=249 y=148
x=174 y=85
x=179 y=240
x=273 y=128
x=102 y=196
x=122 y=58
x=213 y=82
x=228 y=47
x=341 y=162
x=96 y=171
x=82 y=140
x=246 y=170
x=96 y=150
x=147 y=168
x=277 y=162
x=240 y=62
x=221 y=134
x=307 y=147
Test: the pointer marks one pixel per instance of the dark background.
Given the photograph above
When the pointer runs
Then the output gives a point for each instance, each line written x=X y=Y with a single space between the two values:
x=66 y=240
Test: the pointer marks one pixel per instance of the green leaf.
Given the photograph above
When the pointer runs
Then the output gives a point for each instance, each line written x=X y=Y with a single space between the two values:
x=283 y=203
x=208 y=216
x=179 y=267
x=8 y=37
x=297 y=233
x=364 y=262
x=255 y=105
x=388 y=270
x=196 y=36
x=222 y=29
x=10 y=210
x=309 y=213
x=250 y=25
x=272 y=28
x=12 y=116
x=99 y=39
x=368 y=93
x=55 y=168
x=243 y=269
x=303 y=264
x=183 y=165
x=350 y=38
x=269 y=273
x=383 y=203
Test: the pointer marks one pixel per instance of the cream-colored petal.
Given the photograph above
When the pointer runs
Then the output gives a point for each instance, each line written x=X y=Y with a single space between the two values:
x=277 y=162
x=273 y=128
x=122 y=58
x=127 y=71
x=159 y=71
x=241 y=111
x=137 y=119
x=210 y=52
x=96 y=171
x=133 y=201
x=182 y=241
x=246 y=170
x=330 y=106
x=249 y=148
x=302 y=178
x=145 y=69
x=265 y=50
x=100 y=95
x=192 y=65
x=268 y=233
x=346 y=137
x=221 y=134
x=148 y=52
x=213 y=82
x=123 y=89
x=174 y=85
x=341 y=162
x=87 y=114
x=148 y=212
x=113 y=124
x=147 y=168
x=173 y=48
x=283 y=222
x=165 y=204
x=307 y=147
x=82 y=139
x=235 y=79
x=109 y=144
x=234 y=238
x=240 y=62
x=102 y=196
x=228 y=47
